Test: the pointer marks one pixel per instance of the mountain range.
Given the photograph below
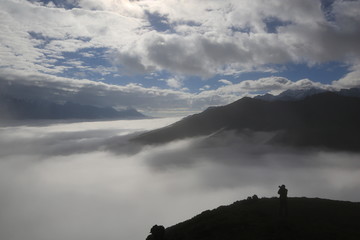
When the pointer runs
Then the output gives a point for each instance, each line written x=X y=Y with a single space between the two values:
x=325 y=119
x=24 y=109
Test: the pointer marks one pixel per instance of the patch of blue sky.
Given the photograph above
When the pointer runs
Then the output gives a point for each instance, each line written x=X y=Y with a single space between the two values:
x=324 y=73
x=93 y=64
x=58 y=3
x=326 y=7
x=159 y=22
x=273 y=23
x=39 y=36
x=86 y=63
x=235 y=29
x=147 y=81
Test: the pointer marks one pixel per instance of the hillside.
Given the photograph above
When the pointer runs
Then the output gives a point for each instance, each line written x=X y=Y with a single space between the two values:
x=309 y=218
x=324 y=120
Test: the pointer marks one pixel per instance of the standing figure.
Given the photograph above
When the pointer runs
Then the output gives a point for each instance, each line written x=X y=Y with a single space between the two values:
x=283 y=211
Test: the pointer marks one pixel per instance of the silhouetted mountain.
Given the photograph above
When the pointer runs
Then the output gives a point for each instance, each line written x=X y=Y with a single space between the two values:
x=310 y=219
x=322 y=120
x=352 y=92
x=291 y=95
x=22 y=109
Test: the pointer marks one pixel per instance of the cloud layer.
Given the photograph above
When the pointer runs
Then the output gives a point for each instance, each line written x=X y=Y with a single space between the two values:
x=83 y=181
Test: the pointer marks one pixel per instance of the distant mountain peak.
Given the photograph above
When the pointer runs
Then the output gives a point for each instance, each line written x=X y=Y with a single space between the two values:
x=291 y=94
x=299 y=94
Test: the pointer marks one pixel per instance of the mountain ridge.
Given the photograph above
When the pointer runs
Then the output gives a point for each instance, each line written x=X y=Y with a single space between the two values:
x=299 y=94
x=325 y=120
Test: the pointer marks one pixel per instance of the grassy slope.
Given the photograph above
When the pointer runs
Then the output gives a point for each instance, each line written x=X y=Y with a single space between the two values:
x=308 y=219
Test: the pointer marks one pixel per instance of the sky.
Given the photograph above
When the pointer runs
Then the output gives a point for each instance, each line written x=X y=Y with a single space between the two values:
x=175 y=57
x=84 y=181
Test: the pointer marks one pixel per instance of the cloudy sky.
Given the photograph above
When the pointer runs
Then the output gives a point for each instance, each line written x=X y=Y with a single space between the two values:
x=173 y=57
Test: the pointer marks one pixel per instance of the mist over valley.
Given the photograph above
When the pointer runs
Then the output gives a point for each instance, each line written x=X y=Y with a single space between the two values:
x=90 y=180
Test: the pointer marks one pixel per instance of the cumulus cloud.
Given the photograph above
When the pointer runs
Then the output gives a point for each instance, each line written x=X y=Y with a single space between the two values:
x=212 y=37
x=204 y=37
x=36 y=36
x=110 y=192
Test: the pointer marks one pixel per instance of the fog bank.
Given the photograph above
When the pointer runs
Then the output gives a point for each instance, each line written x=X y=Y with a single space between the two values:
x=85 y=181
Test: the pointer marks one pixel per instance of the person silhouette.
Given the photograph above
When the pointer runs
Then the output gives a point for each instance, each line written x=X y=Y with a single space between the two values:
x=157 y=233
x=283 y=210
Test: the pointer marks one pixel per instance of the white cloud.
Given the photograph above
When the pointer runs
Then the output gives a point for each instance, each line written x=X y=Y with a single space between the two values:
x=273 y=85
x=209 y=45
x=352 y=79
x=34 y=34
x=205 y=87
x=174 y=83
x=226 y=82
x=276 y=85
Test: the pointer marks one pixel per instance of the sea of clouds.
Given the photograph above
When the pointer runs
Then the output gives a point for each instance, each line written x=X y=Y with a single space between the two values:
x=86 y=181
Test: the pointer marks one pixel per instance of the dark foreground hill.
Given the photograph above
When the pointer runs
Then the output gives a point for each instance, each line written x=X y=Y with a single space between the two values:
x=310 y=219
x=326 y=120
